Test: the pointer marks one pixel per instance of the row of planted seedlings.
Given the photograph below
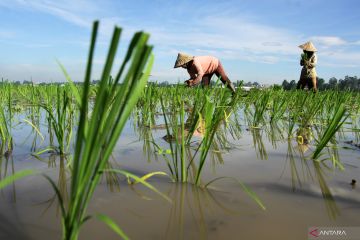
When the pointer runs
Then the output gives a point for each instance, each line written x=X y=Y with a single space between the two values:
x=310 y=119
x=274 y=115
x=195 y=122
x=215 y=115
x=280 y=109
x=282 y=114
x=48 y=110
x=324 y=131
x=6 y=120
x=27 y=116
x=99 y=113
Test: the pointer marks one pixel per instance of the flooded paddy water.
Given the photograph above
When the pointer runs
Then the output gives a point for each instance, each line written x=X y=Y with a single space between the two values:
x=297 y=191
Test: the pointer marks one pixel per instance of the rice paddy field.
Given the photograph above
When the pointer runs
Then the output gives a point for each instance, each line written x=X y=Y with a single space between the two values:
x=232 y=164
x=132 y=161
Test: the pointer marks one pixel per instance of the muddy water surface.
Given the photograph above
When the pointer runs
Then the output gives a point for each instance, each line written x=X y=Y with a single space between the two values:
x=298 y=193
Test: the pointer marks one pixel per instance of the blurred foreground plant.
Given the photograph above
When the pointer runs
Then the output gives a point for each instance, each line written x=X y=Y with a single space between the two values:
x=99 y=130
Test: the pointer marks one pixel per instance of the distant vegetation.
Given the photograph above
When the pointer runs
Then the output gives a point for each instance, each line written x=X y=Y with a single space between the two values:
x=348 y=83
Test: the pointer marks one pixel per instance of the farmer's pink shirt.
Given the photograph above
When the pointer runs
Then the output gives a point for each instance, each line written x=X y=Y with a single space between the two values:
x=202 y=65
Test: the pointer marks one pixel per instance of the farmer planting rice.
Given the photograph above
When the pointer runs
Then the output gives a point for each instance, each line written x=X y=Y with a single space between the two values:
x=201 y=69
x=308 y=61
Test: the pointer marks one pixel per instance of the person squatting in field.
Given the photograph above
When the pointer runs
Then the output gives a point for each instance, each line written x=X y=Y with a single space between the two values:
x=201 y=69
x=308 y=61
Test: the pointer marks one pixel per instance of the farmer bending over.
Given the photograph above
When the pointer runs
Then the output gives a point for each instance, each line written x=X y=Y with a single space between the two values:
x=308 y=61
x=202 y=68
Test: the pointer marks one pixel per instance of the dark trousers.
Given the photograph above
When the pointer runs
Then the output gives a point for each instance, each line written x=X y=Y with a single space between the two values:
x=219 y=72
x=306 y=81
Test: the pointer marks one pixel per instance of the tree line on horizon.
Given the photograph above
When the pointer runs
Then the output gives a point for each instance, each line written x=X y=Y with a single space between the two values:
x=348 y=83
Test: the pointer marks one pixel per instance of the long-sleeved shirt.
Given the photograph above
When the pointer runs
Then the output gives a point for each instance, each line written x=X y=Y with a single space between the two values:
x=202 y=65
x=308 y=69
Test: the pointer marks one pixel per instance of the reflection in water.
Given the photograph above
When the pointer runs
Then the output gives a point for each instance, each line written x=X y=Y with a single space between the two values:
x=316 y=172
x=274 y=133
x=194 y=207
x=216 y=157
x=234 y=126
x=12 y=229
x=330 y=204
x=179 y=154
x=222 y=141
x=198 y=204
x=295 y=178
x=61 y=181
x=6 y=159
x=301 y=168
x=258 y=144
x=145 y=133
x=112 y=179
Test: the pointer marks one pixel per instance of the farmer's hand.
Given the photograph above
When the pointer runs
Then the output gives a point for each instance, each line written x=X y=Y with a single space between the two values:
x=308 y=64
x=189 y=83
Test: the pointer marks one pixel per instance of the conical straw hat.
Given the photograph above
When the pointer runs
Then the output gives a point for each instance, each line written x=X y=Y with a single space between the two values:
x=308 y=46
x=182 y=58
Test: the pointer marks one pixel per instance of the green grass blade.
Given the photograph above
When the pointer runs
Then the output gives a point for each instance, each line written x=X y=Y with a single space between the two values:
x=59 y=196
x=139 y=180
x=251 y=193
x=149 y=175
x=16 y=176
x=111 y=224
x=74 y=89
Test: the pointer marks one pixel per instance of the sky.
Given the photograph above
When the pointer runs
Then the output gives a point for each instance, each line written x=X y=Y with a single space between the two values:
x=255 y=40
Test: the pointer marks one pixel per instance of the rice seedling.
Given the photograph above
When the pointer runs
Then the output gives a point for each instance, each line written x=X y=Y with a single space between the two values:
x=259 y=146
x=259 y=111
x=61 y=181
x=330 y=203
x=5 y=179
x=60 y=121
x=98 y=132
x=212 y=108
x=313 y=106
x=334 y=124
x=6 y=119
x=5 y=129
x=274 y=133
x=316 y=173
x=279 y=105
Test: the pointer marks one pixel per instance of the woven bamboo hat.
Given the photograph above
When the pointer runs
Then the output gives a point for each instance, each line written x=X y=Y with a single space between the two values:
x=308 y=46
x=182 y=58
